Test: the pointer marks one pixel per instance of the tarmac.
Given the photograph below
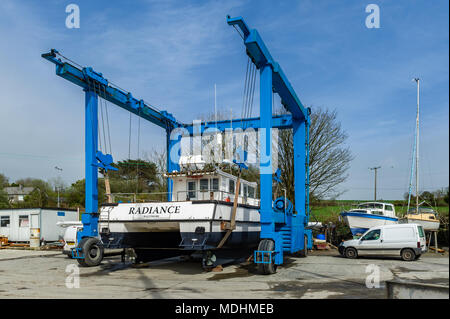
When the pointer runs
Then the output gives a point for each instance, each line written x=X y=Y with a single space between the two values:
x=323 y=274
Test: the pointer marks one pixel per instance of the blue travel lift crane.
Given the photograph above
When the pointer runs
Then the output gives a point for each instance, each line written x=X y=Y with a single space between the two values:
x=283 y=227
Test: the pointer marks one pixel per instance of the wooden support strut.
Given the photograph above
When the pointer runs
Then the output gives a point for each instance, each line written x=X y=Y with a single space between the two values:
x=230 y=226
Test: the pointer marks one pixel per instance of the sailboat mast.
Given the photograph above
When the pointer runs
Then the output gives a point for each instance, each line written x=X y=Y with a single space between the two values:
x=417 y=147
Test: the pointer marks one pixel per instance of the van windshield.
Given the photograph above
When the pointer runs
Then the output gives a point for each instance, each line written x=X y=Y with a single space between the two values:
x=421 y=232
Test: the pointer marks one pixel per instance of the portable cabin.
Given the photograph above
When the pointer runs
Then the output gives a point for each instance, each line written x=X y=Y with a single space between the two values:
x=16 y=224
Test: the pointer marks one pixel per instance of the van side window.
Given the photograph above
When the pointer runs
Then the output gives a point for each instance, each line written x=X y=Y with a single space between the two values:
x=421 y=232
x=372 y=235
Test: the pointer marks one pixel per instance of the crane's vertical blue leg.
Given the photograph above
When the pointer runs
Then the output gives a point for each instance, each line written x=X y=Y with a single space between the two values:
x=90 y=217
x=265 y=167
x=299 y=137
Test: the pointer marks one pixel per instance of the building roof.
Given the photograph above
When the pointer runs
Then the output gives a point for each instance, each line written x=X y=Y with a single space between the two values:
x=18 y=190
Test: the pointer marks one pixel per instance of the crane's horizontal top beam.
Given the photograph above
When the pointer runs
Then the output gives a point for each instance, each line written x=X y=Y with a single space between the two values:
x=88 y=79
x=279 y=121
x=260 y=55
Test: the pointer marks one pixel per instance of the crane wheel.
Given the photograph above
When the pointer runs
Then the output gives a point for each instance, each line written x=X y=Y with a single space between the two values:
x=92 y=250
x=267 y=269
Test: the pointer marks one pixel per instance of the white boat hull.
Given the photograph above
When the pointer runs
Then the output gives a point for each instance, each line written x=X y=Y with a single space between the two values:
x=178 y=225
x=360 y=223
x=427 y=225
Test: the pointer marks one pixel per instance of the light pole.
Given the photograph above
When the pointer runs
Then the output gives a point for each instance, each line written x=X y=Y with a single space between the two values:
x=375 y=169
x=57 y=187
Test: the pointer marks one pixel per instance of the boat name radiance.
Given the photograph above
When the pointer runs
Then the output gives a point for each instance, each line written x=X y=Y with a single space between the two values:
x=155 y=210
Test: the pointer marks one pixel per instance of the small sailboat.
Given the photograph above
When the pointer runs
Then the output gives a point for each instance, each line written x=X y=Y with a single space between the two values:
x=424 y=216
x=369 y=214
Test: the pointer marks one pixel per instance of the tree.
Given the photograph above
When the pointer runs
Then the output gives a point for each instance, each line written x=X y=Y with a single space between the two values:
x=3 y=181
x=134 y=176
x=4 y=202
x=329 y=159
x=39 y=197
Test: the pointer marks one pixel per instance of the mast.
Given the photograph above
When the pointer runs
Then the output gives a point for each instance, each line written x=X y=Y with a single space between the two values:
x=417 y=147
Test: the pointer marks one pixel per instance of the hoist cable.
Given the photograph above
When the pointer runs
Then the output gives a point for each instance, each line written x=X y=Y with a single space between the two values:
x=138 y=140
x=244 y=101
x=107 y=121
x=234 y=26
x=129 y=140
x=103 y=125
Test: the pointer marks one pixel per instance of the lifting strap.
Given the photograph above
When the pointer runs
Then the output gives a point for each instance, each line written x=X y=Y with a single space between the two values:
x=229 y=227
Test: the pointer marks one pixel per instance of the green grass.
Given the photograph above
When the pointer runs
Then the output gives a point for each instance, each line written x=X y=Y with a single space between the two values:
x=325 y=213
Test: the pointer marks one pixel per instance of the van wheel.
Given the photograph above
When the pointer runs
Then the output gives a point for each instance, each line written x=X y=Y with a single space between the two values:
x=408 y=254
x=351 y=252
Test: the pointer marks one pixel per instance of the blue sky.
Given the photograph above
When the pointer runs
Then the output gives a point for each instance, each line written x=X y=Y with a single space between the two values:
x=171 y=53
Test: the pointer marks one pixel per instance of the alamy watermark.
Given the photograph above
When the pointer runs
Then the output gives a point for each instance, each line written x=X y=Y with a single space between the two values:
x=212 y=146
x=73 y=277
x=373 y=277
x=73 y=19
x=373 y=19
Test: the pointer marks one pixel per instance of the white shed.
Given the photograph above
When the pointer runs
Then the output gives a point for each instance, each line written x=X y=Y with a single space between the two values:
x=16 y=223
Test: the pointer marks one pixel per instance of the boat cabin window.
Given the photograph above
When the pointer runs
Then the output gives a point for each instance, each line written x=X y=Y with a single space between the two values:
x=204 y=184
x=251 y=192
x=191 y=189
x=215 y=184
x=231 y=187
x=372 y=235
x=389 y=208
x=371 y=205
x=245 y=190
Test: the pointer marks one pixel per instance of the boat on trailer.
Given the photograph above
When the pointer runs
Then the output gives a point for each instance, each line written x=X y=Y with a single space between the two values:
x=194 y=220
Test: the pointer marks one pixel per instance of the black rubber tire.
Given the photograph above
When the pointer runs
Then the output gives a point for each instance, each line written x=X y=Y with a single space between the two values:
x=267 y=269
x=418 y=256
x=92 y=250
x=351 y=253
x=408 y=254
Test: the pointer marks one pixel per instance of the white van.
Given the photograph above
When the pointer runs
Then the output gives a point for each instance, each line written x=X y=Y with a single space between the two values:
x=404 y=240
x=70 y=235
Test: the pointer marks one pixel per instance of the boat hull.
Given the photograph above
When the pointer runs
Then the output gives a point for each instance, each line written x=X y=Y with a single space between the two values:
x=427 y=225
x=360 y=222
x=178 y=225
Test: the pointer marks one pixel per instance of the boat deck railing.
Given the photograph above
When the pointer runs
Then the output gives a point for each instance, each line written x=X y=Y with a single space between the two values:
x=193 y=195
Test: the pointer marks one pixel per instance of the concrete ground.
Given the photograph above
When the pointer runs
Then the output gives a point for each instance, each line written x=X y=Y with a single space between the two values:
x=323 y=274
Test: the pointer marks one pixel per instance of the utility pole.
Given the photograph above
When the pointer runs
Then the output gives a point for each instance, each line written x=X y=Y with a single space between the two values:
x=57 y=187
x=375 y=169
